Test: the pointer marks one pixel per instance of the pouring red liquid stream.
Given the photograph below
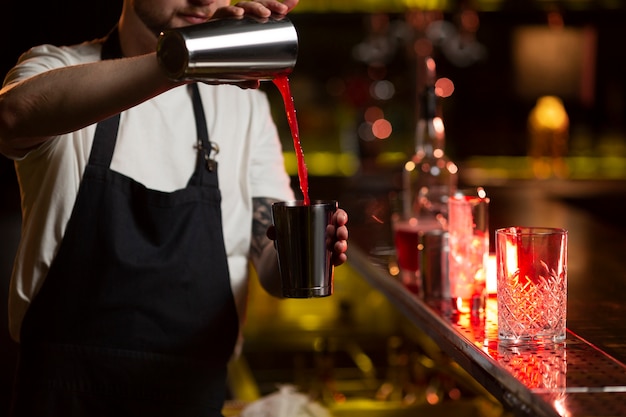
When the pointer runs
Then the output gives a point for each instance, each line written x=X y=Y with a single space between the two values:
x=282 y=83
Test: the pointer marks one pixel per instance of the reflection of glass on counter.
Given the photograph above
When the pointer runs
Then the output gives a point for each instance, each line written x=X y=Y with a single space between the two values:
x=541 y=367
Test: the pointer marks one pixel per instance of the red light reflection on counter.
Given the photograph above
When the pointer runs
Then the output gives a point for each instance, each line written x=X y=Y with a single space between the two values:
x=492 y=276
x=559 y=406
x=541 y=368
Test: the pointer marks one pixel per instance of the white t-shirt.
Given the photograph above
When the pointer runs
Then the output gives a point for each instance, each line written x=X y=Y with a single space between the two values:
x=155 y=147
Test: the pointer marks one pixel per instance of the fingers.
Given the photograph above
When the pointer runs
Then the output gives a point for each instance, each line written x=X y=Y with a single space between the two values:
x=340 y=219
x=228 y=11
x=339 y=233
x=264 y=8
x=256 y=8
x=336 y=237
x=290 y=4
x=339 y=252
x=260 y=8
x=340 y=259
x=271 y=232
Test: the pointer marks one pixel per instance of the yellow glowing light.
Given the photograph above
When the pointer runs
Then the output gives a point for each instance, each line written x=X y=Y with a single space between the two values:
x=347 y=164
x=324 y=163
x=364 y=362
x=321 y=163
x=310 y=321
x=549 y=114
x=409 y=166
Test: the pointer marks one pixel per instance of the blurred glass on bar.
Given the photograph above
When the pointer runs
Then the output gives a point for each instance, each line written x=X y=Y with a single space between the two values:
x=468 y=228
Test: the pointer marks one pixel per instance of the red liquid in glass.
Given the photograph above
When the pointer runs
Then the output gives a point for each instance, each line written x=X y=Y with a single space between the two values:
x=406 y=241
x=409 y=243
x=282 y=83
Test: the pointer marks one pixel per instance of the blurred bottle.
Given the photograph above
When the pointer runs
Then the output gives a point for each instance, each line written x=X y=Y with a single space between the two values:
x=428 y=178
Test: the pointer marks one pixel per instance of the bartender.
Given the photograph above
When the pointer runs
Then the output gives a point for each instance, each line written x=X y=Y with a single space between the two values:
x=129 y=283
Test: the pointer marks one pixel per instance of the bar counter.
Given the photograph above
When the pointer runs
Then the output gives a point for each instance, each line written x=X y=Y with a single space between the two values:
x=585 y=375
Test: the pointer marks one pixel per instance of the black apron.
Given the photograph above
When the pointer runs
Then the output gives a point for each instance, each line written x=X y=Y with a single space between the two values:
x=136 y=316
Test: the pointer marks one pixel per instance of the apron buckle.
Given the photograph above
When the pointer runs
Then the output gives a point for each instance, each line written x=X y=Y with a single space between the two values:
x=211 y=163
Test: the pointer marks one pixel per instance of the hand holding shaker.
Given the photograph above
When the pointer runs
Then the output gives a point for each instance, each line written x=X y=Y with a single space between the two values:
x=304 y=259
x=230 y=49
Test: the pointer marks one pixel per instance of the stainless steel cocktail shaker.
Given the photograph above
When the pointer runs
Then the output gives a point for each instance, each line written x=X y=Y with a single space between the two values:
x=230 y=49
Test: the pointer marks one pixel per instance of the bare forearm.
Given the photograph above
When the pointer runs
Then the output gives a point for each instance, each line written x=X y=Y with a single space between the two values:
x=263 y=254
x=70 y=98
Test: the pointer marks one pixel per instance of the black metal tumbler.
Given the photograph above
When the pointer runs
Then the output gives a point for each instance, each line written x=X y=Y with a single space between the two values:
x=304 y=258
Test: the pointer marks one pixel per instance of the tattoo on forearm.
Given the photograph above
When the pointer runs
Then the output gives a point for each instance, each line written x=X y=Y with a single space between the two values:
x=261 y=220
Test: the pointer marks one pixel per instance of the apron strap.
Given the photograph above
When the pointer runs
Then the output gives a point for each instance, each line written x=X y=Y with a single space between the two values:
x=198 y=111
x=206 y=149
x=104 y=142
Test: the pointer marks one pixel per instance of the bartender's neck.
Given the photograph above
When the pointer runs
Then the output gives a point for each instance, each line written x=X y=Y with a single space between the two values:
x=135 y=37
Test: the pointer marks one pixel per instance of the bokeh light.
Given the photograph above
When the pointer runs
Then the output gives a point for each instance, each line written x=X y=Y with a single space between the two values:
x=382 y=90
x=382 y=129
x=444 y=87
